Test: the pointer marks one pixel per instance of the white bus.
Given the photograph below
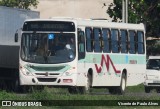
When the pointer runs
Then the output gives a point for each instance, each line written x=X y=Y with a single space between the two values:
x=82 y=53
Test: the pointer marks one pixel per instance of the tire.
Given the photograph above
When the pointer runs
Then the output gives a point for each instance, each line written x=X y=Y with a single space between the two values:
x=121 y=89
x=112 y=90
x=20 y=89
x=72 y=90
x=16 y=86
x=83 y=89
x=147 y=89
x=158 y=90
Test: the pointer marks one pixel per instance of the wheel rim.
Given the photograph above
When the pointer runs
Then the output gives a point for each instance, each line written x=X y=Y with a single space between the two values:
x=87 y=87
x=123 y=84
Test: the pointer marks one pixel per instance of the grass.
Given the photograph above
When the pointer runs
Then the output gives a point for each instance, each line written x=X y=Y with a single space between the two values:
x=62 y=94
x=132 y=93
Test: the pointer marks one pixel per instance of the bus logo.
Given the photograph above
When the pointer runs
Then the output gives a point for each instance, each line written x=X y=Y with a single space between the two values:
x=47 y=74
x=107 y=61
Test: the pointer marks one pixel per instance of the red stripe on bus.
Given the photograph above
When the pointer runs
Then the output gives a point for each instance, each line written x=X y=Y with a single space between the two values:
x=107 y=61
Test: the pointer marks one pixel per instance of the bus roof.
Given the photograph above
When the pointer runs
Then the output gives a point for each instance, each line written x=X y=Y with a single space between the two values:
x=96 y=23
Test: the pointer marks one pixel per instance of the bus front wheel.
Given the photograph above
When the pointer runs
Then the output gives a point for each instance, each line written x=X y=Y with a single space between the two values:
x=82 y=89
x=87 y=88
x=72 y=90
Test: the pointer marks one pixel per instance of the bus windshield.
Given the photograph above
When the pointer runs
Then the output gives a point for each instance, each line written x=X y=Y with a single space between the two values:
x=48 y=47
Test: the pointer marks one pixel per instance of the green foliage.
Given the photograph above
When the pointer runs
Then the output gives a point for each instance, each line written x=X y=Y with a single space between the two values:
x=145 y=11
x=4 y=95
x=23 y=4
x=153 y=47
x=141 y=11
x=133 y=93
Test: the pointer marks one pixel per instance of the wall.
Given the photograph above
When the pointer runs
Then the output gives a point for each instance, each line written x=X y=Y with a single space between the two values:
x=73 y=8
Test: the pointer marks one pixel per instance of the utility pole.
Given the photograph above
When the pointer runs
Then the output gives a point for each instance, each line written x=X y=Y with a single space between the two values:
x=125 y=11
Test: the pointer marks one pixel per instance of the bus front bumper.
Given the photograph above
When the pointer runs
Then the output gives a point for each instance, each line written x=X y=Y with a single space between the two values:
x=47 y=80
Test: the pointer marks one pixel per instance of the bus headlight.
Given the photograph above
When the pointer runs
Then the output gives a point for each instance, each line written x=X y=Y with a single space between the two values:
x=26 y=72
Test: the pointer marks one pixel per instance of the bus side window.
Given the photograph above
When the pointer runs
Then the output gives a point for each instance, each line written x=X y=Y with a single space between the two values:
x=124 y=41
x=115 y=40
x=89 y=41
x=106 y=40
x=81 y=45
x=132 y=43
x=140 y=42
x=97 y=39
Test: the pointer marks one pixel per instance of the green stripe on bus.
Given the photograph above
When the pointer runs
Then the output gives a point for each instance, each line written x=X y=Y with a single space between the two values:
x=116 y=59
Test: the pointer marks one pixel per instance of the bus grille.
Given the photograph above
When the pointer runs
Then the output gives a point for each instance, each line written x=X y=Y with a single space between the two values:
x=46 y=79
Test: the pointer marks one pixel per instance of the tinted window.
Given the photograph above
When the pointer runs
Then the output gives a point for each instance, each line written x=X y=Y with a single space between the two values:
x=124 y=41
x=132 y=43
x=97 y=39
x=153 y=64
x=89 y=41
x=140 y=42
x=114 y=41
x=48 y=48
x=106 y=40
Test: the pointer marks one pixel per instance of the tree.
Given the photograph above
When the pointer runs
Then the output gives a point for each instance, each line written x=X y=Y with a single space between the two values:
x=23 y=4
x=144 y=11
x=140 y=11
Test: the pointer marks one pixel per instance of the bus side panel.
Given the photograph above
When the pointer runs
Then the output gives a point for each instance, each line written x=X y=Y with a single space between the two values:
x=82 y=70
x=105 y=71
x=136 y=74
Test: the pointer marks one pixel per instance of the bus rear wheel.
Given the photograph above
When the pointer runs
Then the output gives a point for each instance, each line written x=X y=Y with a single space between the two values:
x=112 y=90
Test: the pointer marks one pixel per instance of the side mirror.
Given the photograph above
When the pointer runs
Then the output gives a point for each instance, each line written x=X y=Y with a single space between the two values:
x=16 y=37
